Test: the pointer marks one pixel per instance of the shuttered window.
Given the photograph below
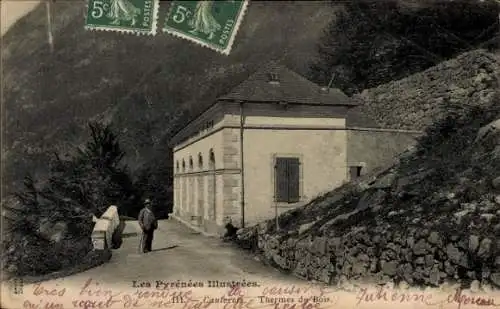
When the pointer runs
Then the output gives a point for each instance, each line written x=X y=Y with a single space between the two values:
x=287 y=180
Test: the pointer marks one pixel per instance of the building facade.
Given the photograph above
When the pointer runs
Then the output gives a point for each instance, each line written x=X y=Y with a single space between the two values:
x=272 y=144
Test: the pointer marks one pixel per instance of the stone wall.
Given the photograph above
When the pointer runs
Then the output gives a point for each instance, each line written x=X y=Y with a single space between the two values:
x=104 y=229
x=357 y=246
x=373 y=148
x=415 y=102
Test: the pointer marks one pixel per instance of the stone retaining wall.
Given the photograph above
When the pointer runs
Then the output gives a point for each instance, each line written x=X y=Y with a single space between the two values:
x=104 y=228
x=413 y=257
x=417 y=101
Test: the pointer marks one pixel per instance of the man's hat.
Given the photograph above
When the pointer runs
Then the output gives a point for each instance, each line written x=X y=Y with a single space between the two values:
x=147 y=202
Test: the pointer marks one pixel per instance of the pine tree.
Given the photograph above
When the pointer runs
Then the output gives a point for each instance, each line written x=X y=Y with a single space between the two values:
x=84 y=184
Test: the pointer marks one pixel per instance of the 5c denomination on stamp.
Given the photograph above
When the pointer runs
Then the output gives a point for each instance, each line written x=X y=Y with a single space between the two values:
x=129 y=16
x=212 y=24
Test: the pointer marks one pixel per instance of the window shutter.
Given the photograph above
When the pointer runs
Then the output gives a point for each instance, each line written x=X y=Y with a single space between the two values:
x=293 y=180
x=281 y=180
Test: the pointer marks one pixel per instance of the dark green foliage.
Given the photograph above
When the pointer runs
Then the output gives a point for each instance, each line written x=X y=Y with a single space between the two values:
x=25 y=217
x=94 y=177
x=373 y=42
x=84 y=184
x=155 y=179
x=27 y=251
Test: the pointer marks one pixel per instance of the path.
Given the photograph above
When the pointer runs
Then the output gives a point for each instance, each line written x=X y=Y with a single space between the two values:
x=179 y=254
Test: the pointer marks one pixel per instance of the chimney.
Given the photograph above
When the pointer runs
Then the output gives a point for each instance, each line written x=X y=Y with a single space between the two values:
x=274 y=78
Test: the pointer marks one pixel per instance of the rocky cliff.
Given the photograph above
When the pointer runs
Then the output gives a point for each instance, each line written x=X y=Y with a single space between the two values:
x=429 y=218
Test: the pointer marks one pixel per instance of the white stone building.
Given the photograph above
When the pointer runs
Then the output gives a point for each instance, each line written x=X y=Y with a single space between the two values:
x=273 y=143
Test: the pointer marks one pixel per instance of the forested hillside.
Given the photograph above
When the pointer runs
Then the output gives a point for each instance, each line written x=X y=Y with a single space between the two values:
x=147 y=86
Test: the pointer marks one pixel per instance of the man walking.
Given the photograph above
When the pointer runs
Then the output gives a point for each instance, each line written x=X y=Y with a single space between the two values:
x=148 y=224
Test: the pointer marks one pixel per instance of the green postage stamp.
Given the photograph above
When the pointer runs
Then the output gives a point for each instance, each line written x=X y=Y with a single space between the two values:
x=212 y=24
x=130 y=16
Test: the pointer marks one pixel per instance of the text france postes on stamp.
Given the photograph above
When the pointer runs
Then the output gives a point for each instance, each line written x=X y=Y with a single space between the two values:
x=129 y=16
x=212 y=24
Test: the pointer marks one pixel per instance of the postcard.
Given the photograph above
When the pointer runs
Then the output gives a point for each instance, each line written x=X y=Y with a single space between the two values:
x=250 y=154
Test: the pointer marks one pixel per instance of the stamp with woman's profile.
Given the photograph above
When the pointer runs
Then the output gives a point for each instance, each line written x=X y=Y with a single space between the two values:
x=212 y=24
x=129 y=16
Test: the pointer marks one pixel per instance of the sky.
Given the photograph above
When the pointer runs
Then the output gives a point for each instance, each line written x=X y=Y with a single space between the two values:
x=12 y=10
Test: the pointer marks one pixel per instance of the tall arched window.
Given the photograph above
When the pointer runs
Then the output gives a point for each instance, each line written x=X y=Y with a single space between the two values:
x=183 y=186
x=177 y=166
x=191 y=189
x=212 y=206
x=200 y=161
x=200 y=211
x=211 y=158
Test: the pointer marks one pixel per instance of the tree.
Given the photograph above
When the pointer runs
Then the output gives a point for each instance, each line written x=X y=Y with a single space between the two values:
x=94 y=177
x=84 y=184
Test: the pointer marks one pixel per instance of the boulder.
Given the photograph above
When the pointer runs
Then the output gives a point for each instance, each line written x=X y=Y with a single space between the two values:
x=475 y=286
x=435 y=239
x=496 y=183
x=359 y=268
x=319 y=245
x=371 y=199
x=496 y=152
x=434 y=276
x=449 y=269
x=337 y=219
x=385 y=181
x=473 y=243
x=484 y=251
x=491 y=129
x=495 y=278
x=52 y=231
x=497 y=262
x=389 y=268
x=456 y=256
x=421 y=247
x=406 y=272
x=305 y=227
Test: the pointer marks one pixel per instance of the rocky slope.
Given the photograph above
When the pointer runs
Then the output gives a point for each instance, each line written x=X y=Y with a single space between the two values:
x=421 y=99
x=433 y=216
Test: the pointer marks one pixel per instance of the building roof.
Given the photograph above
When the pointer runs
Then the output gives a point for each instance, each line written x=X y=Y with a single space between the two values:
x=289 y=87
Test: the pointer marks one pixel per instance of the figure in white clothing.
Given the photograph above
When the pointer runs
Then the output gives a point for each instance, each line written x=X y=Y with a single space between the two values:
x=123 y=10
x=203 y=21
